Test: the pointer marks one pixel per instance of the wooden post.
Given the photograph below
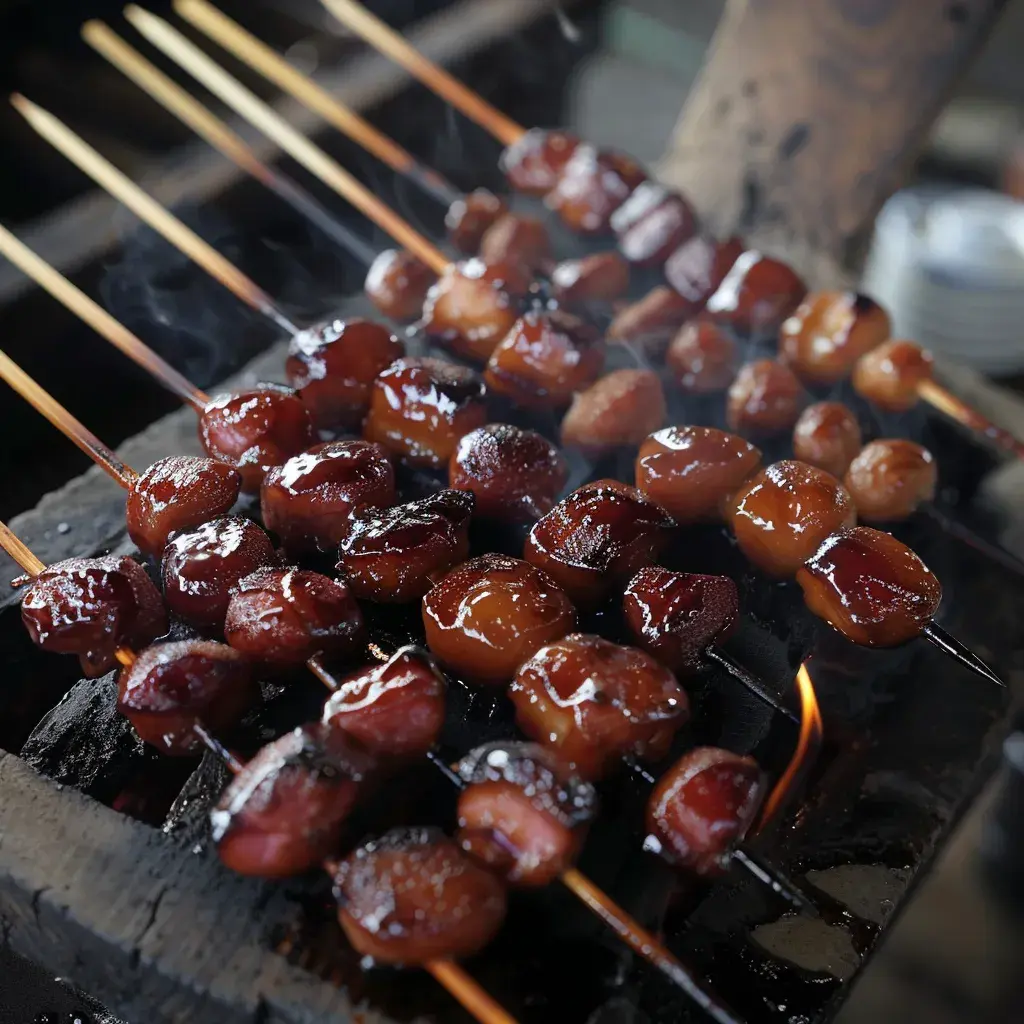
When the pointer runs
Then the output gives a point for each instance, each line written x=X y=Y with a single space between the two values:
x=809 y=113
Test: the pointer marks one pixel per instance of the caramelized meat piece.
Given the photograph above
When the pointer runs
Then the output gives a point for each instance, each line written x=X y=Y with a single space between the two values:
x=92 y=606
x=701 y=357
x=691 y=472
x=703 y=806
x=413 y=896
x=652 y=223
x=783 y=514
x=470 y=216
x=397 y=284
x=333 y=367
x=545 y=358
x=515 y=475
x=284 y=616
x=870 y=587
x=256 y=430
x=169 y=688
x=765 y=398
x=651 y=321
x=677 y=616
x=890 y=479
x=472 y=306
x=391 y=555
x=891 y=375
x=523 y=814
x=203 y=567
x=175 y=494
x=421 y=408
x=534 y=163
x=600 y=277
x=309 y=502
x=519 y=241
x=488 y=615
x=592 y=702
x=395 y=709
x=698 y=267
x=284 y=812
x=596 y=539
x=829 y=332
x=757 y=294
x=617 y=410
x=592 y=186
x=827 y=435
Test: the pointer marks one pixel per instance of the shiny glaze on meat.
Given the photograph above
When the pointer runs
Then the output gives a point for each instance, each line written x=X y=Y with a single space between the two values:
x=765 y=399
x=397 y=284
x=701 y=357
x=891 y=479
x=650 y=322
x=520 y=241
x=698 y=267
x=757 y=294
x=652 y=223
x=599 y=277
x=470 y=216
x=534 y=163
x=618 y=410
x=827 y=435
x=890 y=376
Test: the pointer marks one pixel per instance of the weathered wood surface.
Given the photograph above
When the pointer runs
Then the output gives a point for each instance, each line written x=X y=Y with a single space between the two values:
x=807 y=116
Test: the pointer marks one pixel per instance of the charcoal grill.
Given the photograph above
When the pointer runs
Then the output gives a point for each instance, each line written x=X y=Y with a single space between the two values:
x=107 y=878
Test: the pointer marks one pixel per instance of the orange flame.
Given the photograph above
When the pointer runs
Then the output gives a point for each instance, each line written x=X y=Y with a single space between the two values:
x=810 y=738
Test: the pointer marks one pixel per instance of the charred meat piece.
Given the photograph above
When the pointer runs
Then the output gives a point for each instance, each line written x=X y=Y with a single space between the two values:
x=764 y=399
x=397 y=284
x=592 y=186
x=757 y=294
x=470 y=216
x=652 y=223
x=534 y=163
x=827 y=435
x=890 y=479
x=891 y=375
x=618 y=410
x=600 y=277
x=701 y=357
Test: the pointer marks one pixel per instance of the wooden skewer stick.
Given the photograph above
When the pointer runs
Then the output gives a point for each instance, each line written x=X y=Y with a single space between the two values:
x=99 y=319
x=293 y=142
x=144 y=206
x=208 y=126
x=252 y=51
x=957 y=409
x=385 y=39
x=42 y=401
x=19 y=551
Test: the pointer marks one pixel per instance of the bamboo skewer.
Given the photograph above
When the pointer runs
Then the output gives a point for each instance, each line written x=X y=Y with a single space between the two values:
x=385 y=39
x=252 y=51
x=19 y=551
x=207 y=125
x=956 y=409
x=262 y=116
x=122 y=188
x=70 y=296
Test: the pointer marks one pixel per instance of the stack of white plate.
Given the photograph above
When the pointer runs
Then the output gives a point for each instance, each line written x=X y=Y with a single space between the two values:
x=949 y=266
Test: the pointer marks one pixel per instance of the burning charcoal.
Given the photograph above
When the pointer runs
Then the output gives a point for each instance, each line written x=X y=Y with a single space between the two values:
x=518 y=241
x=618 y=410
x=391 y=555
x=701 y=357
x=284 y=811
x=534 y=163
x=545 y=358
x=592 y=702
x=523 y=813
x=691 y=472
x=891 y=375
x=890 y=479
x=650 y=322
x=784 y=513
x=256 y=430
x=91 y=607
x=488 y=615
x=309 y=502
x=652 y=223
x=413 y=896
x=285 y=616
x=169 y=688
x=515 y=475
x=600 y=277
x=829 y=332
x=596 y=539
x=397 y=284
x=827 y=435
x=757 y=294
x=592 y=186
x=202 y=568
x=703 y=806
x=765 y=398
x=422 y=407
x=870 y=587
x=470 y=216
x=473 y=306
x=677 y=616
x=393 y=710
x=698 y=267
x=333 y=367
x=178 y=493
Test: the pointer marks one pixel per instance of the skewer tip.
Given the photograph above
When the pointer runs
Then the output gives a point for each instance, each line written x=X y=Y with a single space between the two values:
x=948 y=644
